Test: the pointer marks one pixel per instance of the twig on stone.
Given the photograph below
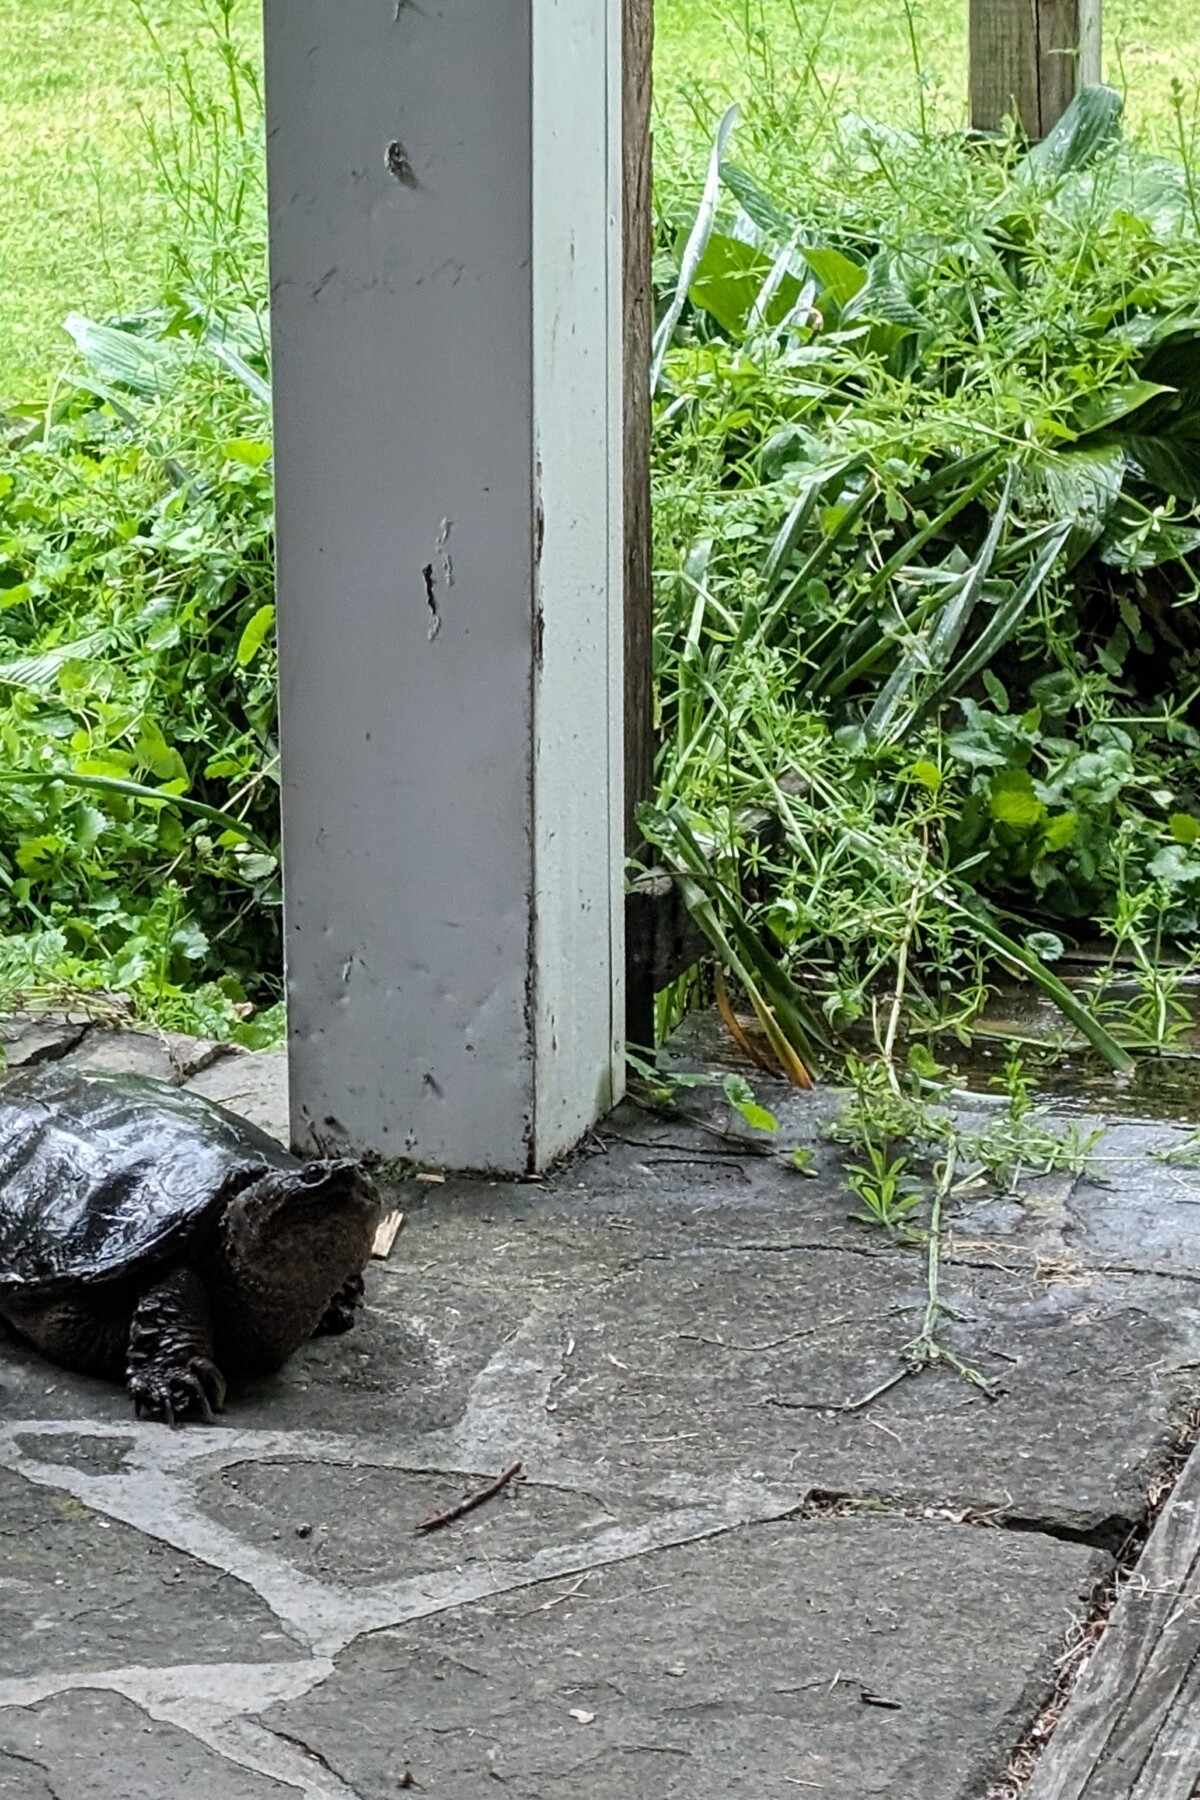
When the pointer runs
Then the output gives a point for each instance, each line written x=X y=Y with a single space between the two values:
x=439 y=1520
x=876 y=1393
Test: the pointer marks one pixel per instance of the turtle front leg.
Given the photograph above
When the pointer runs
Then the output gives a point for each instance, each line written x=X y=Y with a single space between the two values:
x=340 y=1314
x=169 y=1367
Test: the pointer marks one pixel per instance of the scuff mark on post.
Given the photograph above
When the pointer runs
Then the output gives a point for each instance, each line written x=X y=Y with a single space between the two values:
x=431 y=601
x=398 y=164
x=443 y=550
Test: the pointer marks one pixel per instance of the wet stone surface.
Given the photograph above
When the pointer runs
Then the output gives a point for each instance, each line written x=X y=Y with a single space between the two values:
x=665 y=1335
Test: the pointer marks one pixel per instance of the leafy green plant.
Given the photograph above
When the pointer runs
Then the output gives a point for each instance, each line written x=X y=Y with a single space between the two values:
x=1020 y=1140
x=138 y=763
x=661 y=1087
x=927 y=499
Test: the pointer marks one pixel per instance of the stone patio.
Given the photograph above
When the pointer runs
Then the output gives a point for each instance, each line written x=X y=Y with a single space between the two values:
x=710 y=1577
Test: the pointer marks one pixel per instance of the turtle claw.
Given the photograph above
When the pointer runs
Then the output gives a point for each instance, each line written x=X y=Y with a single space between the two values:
x=171 y=1396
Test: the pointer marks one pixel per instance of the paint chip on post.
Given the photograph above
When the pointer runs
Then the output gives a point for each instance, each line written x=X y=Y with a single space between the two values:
x=431 y=601
x=398 y=164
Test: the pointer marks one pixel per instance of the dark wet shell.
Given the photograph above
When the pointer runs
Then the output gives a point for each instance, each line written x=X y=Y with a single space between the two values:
x=99 y=1172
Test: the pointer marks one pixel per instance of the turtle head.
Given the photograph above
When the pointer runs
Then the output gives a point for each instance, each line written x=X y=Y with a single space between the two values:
x=292 y=1239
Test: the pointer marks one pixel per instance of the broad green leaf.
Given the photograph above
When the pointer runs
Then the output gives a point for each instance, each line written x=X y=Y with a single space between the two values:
x=254 y=636
x=840 y=278
x=1060 y=830
x=144 y=366
x=740 y=1096
x=40 y=670
x=927 y=773
x=755 y=202
x=1083 y=487
x=1089 y=126
x=729 y=279
x=249 y=451
x=1167 y=462
x=883 y=296
x=36 y=855
x=1012 y=801
x=154 y=753
x=1184 y=827
x=1104 y=408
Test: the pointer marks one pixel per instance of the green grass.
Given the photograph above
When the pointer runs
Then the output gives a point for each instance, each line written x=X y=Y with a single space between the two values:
x=83 y=214
x=861 y=52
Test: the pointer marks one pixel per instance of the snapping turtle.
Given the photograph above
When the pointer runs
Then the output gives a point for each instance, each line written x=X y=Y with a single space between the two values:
x=150 y=1236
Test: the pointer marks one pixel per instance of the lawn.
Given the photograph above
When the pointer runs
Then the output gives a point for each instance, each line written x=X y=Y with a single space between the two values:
x=82 y=202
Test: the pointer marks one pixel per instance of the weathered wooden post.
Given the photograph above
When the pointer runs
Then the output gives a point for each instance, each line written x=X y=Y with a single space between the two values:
x=446 y=236
x=1029 y=58
x=638 y=34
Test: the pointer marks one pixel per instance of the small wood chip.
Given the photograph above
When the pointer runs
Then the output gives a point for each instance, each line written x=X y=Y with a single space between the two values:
x=431 y=1179
x=386 y=1235
x=584 y=1718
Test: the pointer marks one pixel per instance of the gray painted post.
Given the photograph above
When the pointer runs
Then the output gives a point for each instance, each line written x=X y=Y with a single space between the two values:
x=446 y=208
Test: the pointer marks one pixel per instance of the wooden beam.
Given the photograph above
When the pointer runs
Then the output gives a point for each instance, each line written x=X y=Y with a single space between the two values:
x=1131 y=1729
x=662 y=940
x=1029 y=58
x=638 y=36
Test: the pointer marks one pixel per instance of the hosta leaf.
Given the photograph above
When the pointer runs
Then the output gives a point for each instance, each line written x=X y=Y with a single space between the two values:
x=1166 y=462
x=729 y=280
x=144 y=366
x=840 y=278
x=40 y=670
x=1089 y=126
x=755 y=202
x=1110 y=404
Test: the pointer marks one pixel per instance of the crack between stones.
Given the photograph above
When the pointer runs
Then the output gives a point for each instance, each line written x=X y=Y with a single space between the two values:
x=586 y=1566
x=1110 y=1535
x=52 y=1053
x=317 y=1756
x=31 y=1762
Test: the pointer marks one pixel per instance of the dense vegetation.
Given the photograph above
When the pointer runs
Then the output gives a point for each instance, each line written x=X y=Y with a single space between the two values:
x=136 y=612
x=927 y=475
x=928 y=464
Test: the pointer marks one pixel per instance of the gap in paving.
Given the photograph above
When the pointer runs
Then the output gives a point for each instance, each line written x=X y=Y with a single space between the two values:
x=1083 y=1639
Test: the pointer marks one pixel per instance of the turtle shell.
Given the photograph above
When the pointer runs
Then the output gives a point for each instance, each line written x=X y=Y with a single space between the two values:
x=102 y=1172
